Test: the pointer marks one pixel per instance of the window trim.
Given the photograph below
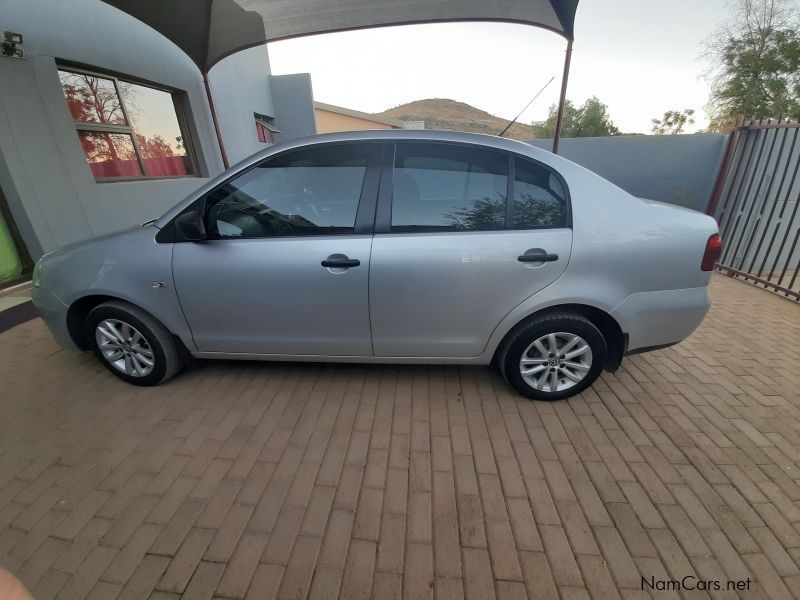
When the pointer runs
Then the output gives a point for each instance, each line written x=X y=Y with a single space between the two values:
x=267 y=123
x=367 y=201
x=383 y=218
x=183 y=123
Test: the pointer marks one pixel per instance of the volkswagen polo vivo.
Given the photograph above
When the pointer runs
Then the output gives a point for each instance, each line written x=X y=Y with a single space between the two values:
x=391 y=247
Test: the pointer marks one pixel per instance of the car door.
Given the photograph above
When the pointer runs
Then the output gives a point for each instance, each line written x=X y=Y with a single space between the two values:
x=286 y=264
x=451 y=255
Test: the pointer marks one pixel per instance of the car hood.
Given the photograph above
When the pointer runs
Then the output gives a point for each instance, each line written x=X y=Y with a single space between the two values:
x=93 y=241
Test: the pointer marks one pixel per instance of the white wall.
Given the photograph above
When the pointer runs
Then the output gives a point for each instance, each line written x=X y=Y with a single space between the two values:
x=50 y=190
x=46 y=175
x=294 y=102
x=240 y=87
x=679 y=169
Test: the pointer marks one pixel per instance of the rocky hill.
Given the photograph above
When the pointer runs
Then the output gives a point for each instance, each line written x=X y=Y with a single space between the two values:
x=451 y=115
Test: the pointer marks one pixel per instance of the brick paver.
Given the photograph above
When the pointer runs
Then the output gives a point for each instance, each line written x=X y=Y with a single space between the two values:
x=256 y=480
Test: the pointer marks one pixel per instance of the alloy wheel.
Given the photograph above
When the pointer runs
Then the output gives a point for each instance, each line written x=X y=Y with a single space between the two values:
x=124 y=347
x=556 y=362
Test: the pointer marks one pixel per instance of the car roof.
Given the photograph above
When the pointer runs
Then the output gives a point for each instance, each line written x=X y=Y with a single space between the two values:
x=391 y=135
x=411 y=135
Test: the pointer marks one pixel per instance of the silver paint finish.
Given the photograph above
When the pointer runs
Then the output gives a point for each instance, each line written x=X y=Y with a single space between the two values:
x=444 y=298
x=661 y=317
x=53 y=312
x=273 y=295
x=442 y=294
x=123 y=266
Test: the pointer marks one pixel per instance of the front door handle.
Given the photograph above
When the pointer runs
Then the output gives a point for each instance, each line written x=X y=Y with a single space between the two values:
x=339 y=261
x=537 y=255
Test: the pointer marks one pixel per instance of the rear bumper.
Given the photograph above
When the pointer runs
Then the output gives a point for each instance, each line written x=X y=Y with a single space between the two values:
x=54 y=314
x=661 y=318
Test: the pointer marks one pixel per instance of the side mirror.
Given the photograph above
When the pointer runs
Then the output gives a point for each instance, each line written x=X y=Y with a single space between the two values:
x=190 y=226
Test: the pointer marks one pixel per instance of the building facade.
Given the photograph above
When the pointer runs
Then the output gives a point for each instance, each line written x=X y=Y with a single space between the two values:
x=331 y=118
x=104 y=123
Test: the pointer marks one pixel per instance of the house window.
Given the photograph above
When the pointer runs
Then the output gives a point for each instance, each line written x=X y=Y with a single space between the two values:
x=265 y=129
x=126 y=130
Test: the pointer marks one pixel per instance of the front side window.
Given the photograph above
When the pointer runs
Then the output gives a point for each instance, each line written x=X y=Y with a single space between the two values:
x=441 y=187
x=539 y=198
x=314 y=191
x=126 y=129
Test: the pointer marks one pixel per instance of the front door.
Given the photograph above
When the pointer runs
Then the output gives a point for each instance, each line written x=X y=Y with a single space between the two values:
x=451 y=256
x=286 y=267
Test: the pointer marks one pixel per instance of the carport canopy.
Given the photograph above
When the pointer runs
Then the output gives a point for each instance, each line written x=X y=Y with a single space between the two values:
x=210 y=30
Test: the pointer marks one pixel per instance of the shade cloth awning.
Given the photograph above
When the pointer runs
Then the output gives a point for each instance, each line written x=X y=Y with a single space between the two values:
x=292 y=18
x=206 y=30
x=210 y=30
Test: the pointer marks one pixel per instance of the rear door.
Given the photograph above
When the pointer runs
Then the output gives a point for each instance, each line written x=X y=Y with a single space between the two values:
x=451 y=255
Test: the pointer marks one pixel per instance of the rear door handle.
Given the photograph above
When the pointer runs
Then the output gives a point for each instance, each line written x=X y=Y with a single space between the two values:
x=340 y=263
x=537 y=257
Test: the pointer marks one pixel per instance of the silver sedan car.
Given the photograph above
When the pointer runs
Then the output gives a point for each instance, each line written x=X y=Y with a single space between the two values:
x=391 y=247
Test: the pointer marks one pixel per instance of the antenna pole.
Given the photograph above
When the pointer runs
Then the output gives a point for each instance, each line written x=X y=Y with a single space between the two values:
x=514 y=120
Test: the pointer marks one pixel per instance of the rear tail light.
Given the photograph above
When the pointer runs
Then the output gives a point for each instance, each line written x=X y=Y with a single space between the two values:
x=712 y=253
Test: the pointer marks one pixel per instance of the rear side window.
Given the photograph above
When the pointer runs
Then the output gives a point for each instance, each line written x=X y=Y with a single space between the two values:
x=539 y=197
x=314 y=191
x=441 y=187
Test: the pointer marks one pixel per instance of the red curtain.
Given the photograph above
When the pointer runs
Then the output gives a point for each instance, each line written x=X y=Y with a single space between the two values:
x=168 y=166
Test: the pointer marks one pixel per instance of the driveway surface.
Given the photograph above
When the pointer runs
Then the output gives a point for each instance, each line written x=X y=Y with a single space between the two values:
x=258 y=480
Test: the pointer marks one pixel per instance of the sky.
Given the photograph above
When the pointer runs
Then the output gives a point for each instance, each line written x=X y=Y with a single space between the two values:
x=640 y=57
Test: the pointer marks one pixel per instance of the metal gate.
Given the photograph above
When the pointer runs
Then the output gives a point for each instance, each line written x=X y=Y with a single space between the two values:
x=755 y=201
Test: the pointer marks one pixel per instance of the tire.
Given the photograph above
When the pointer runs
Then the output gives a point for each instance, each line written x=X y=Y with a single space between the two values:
x=120 y=320
x=565 y=327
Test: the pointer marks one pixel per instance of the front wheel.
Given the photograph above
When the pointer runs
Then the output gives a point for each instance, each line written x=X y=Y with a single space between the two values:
x=553 y=356
x=132 y=344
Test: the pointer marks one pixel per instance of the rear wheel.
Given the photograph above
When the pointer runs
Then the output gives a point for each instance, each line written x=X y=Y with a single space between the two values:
x=132 y=344
x=553 y=356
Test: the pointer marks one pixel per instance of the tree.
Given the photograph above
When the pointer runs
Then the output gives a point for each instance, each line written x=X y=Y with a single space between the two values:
x=591 y=119
x=754 y=63
x=92 y=99
x=673 y=122
x=154 y=147
x=485 y=213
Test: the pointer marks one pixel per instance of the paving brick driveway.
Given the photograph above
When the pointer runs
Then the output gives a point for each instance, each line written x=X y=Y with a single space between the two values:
x=247 y=480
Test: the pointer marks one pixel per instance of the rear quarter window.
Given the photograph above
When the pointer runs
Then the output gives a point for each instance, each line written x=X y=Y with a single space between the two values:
x=540 y=200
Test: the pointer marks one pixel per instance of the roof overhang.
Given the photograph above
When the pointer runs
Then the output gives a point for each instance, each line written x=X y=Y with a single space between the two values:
x=210 y=30
x=357 y=114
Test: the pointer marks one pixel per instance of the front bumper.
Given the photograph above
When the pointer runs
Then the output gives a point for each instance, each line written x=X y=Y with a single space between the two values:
x=54 y=313
x=661 y=318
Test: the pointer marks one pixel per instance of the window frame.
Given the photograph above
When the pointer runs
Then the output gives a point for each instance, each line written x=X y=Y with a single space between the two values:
x=177 y=104
x=365 y=213
x=383 y=219
x=267 y=123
